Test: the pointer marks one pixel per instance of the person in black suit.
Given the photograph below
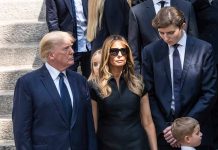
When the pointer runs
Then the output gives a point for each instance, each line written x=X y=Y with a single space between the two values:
x=206 y=15
x=51 y=107
x=181 y=75
x=71 y=16
x=141 y=32
x=106 y=17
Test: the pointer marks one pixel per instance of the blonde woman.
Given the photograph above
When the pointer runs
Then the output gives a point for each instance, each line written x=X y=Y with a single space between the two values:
x=106 y=17
x=120 y=102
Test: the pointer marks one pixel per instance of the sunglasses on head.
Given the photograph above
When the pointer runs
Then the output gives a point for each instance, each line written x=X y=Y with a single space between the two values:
x=115 y=51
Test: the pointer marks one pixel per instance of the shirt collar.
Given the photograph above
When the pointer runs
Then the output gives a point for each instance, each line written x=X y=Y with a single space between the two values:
x=53 y=71
x=182 y=41
x=187 y=148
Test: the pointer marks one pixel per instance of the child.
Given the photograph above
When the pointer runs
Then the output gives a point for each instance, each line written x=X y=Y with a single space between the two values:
x=186 y=131
x=95 y=63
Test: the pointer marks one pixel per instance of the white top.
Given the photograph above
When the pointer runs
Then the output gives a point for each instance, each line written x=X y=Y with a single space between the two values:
x=157 y=5
x=187 y=148
x=54 y=75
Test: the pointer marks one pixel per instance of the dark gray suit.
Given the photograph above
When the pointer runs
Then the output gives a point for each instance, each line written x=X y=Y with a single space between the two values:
x=141 y=32
x=198 y=85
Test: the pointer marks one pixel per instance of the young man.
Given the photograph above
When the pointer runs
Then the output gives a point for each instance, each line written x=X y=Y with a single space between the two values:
x=141 y=32
x=181 y=77
x=186 y=131
x=52 y=108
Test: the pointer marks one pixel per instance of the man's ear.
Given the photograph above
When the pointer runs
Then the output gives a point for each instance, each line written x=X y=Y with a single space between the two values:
x=50 y=56
x=183 y=26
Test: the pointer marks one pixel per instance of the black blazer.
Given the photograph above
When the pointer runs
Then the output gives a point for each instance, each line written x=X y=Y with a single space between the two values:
x=114 y=21
x=207 y=21
x=141 y=32
x=39 y=120
x=198 y=83
x=59 y=16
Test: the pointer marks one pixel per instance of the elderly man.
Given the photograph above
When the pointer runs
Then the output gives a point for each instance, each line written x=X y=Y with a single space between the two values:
x=52 y=107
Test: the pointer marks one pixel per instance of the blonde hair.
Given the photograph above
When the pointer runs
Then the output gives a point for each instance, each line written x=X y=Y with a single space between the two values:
x=95 y=13
x=129 y=2
x=93 y=75
x=134 y=83
x=51 y=39
x=182 y=127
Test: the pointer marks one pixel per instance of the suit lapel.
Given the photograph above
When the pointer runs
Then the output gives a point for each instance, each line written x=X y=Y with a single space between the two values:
x=76 y=98
x=52 y=90
x=164 y=56
x=188 y=58
x=166 y=62
x=69 y=6
x=149 y=5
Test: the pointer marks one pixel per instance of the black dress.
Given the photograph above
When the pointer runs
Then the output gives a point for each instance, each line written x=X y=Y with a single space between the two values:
x=119 y=123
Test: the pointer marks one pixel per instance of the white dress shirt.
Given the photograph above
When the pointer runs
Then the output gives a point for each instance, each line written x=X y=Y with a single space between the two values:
x=187 y=148
x=181 y=49
x=157 y=5
x=55 y=76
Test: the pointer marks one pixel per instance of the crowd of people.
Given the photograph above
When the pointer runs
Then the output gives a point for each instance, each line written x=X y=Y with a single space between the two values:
x=149 y=78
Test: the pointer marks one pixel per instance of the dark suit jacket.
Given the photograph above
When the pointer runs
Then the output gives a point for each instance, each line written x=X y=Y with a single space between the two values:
x=207 y=21
x=114 y=21
x=141 y=32
x=59 y=16
x=198 y=83
x=39 y=121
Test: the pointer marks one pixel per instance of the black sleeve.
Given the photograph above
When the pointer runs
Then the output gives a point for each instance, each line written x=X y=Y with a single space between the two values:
x=51 y=15
x=93 y=91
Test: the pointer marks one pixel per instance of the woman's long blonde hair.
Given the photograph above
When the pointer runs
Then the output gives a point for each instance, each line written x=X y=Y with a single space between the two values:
x=95 y=13
x=134 y=83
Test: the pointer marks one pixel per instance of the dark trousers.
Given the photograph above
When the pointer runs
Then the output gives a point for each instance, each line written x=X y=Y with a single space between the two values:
x=82 y=59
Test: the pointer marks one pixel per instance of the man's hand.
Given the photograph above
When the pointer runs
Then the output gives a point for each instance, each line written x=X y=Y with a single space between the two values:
x=169 y=137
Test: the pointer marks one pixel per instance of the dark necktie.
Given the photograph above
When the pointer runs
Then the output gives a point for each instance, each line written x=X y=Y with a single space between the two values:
x=162 y=3
x=177 y=73
x=65 y=97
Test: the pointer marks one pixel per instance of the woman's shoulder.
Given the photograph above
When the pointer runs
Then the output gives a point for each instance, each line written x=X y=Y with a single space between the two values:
x=94 y=90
